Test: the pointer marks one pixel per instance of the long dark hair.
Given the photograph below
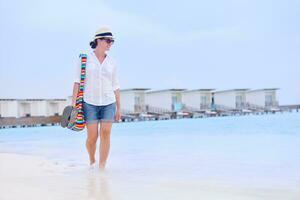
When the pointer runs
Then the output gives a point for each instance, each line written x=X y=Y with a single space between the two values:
x=94 y=44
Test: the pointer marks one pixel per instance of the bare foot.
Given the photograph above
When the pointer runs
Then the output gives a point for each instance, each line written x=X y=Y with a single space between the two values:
x=92 y=161
x=102 y=166
x=92 y=166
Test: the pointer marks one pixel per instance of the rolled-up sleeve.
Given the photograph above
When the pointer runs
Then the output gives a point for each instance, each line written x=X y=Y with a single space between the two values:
x=77 y=71
x=115 y=79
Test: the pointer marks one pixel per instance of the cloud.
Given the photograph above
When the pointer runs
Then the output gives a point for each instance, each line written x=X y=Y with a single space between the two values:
x=66 y=18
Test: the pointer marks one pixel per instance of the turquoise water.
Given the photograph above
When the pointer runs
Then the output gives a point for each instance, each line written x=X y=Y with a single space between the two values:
x=243 y=150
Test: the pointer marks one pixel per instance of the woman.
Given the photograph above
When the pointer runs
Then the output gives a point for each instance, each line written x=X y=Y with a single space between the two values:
x=101 y=95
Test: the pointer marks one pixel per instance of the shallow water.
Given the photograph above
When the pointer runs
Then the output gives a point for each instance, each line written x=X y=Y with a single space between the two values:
x=252 y=156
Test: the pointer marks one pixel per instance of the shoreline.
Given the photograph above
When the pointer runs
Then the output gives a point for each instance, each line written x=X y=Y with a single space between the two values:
x=34 y=177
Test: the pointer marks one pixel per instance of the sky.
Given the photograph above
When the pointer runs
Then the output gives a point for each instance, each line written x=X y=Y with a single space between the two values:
x=191 y=44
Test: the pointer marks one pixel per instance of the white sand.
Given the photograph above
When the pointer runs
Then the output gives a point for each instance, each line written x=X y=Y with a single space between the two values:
x=35 y=178
x=28 y=177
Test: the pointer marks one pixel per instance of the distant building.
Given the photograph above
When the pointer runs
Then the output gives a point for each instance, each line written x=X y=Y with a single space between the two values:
x=9 y=108
x=69 y=100
x=199 y=99
x=55 y=106
x=262 y=97
x=133 y=100
x=31 y=107
x=165 y=100
x=138 y=100
x=230 y=99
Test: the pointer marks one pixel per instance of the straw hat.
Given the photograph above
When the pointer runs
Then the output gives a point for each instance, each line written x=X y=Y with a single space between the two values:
x=103 y=32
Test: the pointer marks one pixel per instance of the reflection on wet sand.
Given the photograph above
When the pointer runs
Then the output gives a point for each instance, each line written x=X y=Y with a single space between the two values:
x=98 y=186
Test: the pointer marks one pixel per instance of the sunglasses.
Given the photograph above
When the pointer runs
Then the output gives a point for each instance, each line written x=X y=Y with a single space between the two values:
x=108 y=40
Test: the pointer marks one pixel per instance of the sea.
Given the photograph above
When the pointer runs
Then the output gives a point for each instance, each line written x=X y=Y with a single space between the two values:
x=232 y=157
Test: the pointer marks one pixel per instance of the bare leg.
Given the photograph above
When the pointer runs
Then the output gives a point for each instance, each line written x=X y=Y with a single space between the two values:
x=91 y=141
x=105 y=129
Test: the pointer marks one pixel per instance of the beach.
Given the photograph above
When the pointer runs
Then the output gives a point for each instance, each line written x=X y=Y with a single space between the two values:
x=251 y=157
x=30 y=177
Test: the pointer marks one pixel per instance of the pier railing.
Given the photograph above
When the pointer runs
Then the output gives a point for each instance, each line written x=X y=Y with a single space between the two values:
x=219 y=107
x=271 y=104
x=205 y=106
x=254 y=107
x=138 y=109
x=190 y=108
x=289 y=107
x=157 y=110
x=240 y=105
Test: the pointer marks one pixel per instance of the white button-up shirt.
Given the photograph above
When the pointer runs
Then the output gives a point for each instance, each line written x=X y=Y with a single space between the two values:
x=101 y=80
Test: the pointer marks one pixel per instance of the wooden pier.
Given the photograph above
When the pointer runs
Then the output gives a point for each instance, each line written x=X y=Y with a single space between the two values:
x=290 y=107
x=12 y=122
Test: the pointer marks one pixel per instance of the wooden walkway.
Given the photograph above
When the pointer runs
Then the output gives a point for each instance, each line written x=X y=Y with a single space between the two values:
x=290 y=107
x=11 y=122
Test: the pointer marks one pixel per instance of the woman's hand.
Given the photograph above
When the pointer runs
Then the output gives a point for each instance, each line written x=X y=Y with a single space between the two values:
x=118 y=115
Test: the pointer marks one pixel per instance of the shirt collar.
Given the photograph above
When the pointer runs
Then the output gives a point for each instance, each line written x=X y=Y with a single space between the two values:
x=94 y=57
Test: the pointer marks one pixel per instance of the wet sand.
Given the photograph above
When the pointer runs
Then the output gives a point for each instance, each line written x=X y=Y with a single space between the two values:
x=35 y=178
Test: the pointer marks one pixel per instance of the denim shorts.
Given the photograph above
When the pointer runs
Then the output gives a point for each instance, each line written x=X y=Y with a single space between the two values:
x=94 y=114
